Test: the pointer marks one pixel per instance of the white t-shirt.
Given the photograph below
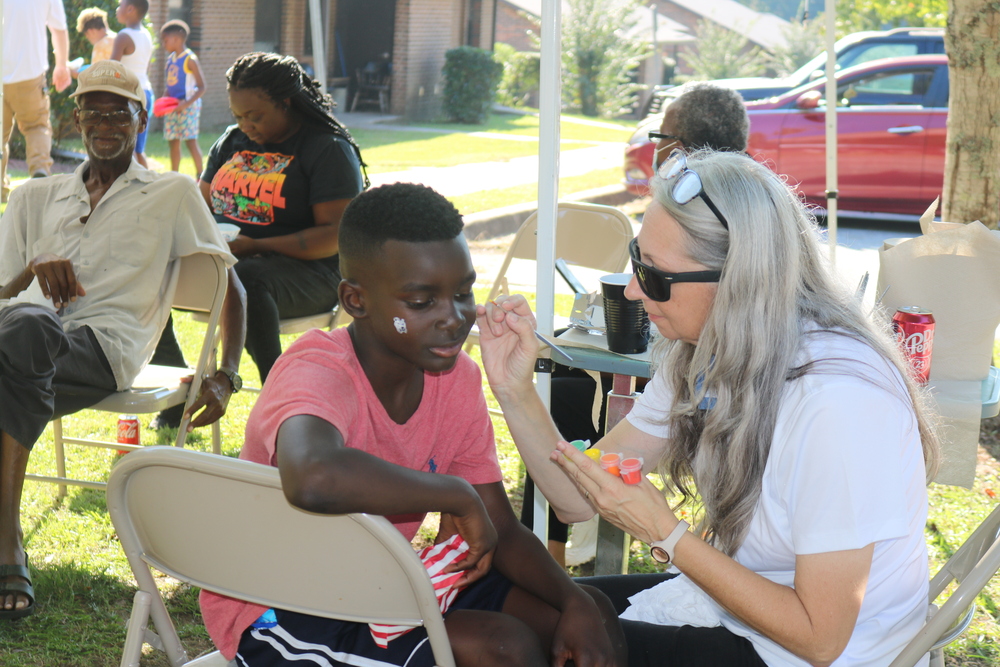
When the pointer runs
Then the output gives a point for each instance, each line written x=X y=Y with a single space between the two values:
x=125 y=256
x=138 y=61
x=25 y=42
x=845 y=470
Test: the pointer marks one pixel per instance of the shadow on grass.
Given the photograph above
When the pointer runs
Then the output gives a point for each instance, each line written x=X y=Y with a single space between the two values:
x=81 y=617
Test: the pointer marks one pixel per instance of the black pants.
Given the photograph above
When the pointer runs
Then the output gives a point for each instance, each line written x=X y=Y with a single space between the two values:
x=45 y=372
x=572 y=400
x=652 y=645
x=277 y=288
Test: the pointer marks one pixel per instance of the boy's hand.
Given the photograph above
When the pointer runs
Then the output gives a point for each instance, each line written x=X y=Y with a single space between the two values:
x=478 y=531
x=580 y=636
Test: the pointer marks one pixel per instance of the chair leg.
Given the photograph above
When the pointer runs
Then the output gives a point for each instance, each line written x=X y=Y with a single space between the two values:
x=216 y=438
x=137 y=623
x=354 y=104
x=57 y=438
x=937 y=658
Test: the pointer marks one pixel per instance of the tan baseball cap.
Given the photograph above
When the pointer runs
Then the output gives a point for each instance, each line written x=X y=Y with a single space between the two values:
x=110 y=76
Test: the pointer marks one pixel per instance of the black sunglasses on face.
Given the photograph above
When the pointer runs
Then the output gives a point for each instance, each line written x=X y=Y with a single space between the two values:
x=657 y=136
x=656 y=284
x=688 y=184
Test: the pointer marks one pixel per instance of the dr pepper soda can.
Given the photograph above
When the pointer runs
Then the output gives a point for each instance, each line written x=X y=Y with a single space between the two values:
x=913 y=327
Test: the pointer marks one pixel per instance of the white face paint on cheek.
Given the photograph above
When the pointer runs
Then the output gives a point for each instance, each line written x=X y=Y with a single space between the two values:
x=400 y=324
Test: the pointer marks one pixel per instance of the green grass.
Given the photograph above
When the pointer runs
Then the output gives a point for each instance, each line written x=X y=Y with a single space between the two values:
x=85 y=587
x=389 y=150
x=490 y=199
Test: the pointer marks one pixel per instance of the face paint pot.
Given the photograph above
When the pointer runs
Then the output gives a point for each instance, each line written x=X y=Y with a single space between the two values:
x=612 y=463
x=631 y=470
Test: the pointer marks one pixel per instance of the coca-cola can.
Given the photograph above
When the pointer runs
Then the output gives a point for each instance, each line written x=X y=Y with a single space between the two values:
x=913 y=327
x=128 y=430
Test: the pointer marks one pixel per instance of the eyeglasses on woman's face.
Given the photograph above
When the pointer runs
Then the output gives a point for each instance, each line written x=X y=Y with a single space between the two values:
x=656 y=284
x=686 y=183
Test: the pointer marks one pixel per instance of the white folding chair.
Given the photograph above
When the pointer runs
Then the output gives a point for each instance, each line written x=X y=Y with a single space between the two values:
x=588 y=235
x=971 y=567
x=201 y=287
x=254 y=546
x=328 y=320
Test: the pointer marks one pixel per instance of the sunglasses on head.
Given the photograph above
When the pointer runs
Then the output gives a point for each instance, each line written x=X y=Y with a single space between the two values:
x=687 y=183
x=656 y=284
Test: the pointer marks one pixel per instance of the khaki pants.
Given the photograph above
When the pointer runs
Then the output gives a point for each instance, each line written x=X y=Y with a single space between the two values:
x=27 y=104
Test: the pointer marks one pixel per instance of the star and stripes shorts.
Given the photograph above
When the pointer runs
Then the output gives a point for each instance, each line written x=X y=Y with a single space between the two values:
x=286 y=638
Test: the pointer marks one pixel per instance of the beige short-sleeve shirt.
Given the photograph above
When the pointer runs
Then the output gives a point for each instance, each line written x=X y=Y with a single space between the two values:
x=125 y=255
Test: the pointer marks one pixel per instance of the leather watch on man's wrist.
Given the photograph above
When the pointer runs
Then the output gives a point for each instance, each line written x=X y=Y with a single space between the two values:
x=663 y=551
x=234 y=379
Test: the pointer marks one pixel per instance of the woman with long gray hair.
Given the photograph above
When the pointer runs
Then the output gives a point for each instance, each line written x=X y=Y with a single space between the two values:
x=783 y=421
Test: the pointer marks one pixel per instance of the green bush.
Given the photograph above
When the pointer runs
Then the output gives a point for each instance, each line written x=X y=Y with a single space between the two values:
x=471 y=77
x=520 y=75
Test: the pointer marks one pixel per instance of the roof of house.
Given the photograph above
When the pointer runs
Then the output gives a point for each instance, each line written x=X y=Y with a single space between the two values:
x=761 y=28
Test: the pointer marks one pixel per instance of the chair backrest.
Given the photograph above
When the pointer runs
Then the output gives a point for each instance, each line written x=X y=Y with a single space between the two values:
x=972 y=566
x=589 y=235
x=201 y=287
x=224 y=525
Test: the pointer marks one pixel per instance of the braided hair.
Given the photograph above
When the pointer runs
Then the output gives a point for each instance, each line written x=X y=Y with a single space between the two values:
x=281 y=77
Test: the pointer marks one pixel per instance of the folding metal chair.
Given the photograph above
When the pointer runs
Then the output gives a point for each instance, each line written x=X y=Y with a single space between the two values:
x=254 y=546
x=972 y=567
x=201 y=286
x=587 y=235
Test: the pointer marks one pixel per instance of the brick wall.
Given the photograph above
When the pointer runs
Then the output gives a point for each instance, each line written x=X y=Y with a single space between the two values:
x=425 y=30
x=513 y=26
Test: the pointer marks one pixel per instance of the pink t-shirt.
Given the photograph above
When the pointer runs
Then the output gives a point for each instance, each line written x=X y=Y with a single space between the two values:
x=450 y=433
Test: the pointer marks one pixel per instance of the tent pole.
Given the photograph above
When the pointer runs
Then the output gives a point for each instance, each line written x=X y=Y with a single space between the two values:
x=831 y=129
x=549 y=104
x=318 y=43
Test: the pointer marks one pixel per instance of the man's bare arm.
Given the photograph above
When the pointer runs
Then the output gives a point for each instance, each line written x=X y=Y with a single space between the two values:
x=18 y=285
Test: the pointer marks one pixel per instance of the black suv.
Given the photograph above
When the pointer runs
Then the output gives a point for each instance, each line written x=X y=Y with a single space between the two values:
x=854 y=49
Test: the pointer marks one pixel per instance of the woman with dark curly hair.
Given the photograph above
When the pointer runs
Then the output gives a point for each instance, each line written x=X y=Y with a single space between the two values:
x=284 y=174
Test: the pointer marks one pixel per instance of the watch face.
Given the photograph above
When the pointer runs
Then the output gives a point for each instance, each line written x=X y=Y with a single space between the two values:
x=659 y=554
x=237 y=381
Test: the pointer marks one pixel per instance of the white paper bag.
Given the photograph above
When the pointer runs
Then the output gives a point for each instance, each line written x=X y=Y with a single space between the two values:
x=954 y=270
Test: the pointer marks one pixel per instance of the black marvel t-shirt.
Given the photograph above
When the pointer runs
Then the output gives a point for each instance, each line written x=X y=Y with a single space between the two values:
x=269 y=190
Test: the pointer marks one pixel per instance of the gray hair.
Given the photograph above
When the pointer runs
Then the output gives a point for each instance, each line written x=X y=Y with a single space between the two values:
x=710 y=116
x=775 y=285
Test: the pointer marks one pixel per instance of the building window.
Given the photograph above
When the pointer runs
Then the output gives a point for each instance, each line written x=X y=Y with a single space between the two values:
x=267 y=26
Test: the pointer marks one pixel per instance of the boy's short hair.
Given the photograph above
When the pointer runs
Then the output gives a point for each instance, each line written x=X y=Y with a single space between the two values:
x=142 y=6
x=92 y=18
x=175 y=26
x=399 y=212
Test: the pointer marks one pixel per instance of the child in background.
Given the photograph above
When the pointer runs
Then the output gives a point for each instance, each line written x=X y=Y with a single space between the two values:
x=92 y=23
x=134 y=47
x=185 y=83
x=387 y=416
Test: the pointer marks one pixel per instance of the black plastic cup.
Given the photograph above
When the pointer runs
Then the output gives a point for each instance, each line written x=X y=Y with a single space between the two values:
x=625 y=321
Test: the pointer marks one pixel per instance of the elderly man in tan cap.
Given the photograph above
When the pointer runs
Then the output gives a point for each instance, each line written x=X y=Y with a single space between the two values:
x=85 y=266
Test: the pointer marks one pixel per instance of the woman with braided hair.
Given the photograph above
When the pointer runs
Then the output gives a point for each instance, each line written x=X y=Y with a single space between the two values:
x=284 y=174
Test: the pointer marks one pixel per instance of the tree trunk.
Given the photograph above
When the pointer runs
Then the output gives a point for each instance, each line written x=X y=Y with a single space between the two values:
x=972 y=153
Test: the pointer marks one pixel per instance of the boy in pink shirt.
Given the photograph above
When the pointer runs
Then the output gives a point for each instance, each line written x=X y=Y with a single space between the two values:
x=387 y=416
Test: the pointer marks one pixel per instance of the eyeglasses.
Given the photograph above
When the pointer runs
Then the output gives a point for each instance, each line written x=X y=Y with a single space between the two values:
x=656 y=284
x=688 y=184
x=92 y=118
x=657 y=136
